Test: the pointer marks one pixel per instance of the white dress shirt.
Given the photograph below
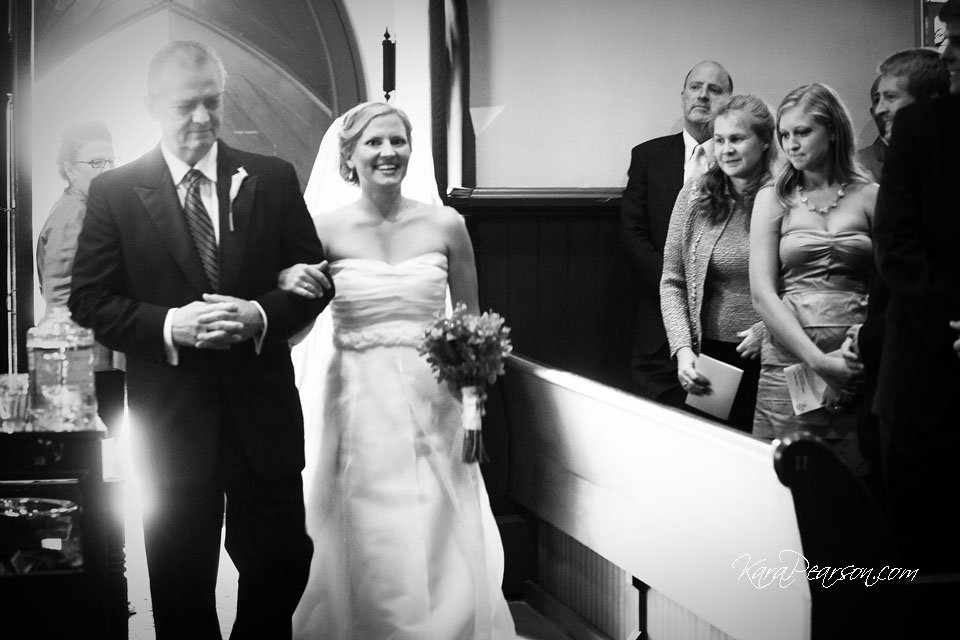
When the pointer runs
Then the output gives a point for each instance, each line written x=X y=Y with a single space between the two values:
x=207 y=165
x=696 y=156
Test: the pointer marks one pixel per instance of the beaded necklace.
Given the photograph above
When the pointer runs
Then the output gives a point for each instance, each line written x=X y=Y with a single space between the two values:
x=822 y=210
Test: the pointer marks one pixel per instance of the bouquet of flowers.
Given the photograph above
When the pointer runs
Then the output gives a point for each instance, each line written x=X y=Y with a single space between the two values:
x=467 y=352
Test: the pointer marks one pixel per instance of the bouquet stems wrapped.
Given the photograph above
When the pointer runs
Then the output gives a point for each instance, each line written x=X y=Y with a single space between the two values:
x=467 y=350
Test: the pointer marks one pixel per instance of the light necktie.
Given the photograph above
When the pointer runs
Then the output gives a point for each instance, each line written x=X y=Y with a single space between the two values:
x=694 y=165
x=201 y=228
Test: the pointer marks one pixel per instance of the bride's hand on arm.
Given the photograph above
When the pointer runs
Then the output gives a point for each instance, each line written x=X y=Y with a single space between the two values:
x=462 y=274
x=690 y=379
x=307 y=280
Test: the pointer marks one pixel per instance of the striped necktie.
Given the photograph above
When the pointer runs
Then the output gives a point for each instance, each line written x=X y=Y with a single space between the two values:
x=201 y=228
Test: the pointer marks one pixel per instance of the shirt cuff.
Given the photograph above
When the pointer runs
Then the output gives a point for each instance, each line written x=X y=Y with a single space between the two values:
x=258 y=339
x=169 y=348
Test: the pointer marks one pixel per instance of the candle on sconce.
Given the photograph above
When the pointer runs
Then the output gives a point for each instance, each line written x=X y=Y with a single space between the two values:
x=389 y=64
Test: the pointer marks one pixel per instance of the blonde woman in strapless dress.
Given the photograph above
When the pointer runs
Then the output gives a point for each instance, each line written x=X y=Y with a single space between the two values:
x=811 y=261
x=406 y=546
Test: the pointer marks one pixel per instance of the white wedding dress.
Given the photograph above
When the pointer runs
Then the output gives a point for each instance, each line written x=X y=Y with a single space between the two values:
x=406 y=546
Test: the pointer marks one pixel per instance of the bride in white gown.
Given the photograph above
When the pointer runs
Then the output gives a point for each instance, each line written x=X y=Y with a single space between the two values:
x=406 y=546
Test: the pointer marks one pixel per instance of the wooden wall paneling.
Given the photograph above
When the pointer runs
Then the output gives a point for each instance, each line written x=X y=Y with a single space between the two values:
x=583 y=286
x=490 y=239
x=618 y=305
x=554 y=304
x=551 y=262
x=524 y=285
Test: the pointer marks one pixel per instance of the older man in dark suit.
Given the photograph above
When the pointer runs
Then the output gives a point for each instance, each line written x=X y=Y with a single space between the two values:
x=177 y=266
x=918 y=393
x=658 y=169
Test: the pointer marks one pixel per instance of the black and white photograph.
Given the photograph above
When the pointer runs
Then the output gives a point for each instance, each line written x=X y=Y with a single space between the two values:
x=480 y=319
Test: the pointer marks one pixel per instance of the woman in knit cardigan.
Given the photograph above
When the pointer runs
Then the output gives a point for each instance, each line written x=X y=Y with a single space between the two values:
x=705 y=289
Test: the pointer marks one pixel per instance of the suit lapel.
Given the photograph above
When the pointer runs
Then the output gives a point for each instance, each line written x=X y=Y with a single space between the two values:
x=235 y=217
x=159 y=198
x=674 y=163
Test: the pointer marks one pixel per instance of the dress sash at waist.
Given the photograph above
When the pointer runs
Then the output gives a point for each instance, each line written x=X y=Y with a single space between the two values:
x=826 y=308
x=383 y=335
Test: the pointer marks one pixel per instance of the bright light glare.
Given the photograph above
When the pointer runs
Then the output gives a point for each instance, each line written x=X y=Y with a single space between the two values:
x=105 y=81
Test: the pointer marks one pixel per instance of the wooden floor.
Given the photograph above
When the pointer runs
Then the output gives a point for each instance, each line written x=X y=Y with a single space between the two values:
x=530 y=624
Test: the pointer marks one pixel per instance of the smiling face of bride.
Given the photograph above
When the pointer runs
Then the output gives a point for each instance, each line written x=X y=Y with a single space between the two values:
x=382 y=154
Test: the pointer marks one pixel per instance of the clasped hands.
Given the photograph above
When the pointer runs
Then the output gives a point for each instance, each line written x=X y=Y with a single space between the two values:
x=216 y=322
x=844 y=373
x=219 y=322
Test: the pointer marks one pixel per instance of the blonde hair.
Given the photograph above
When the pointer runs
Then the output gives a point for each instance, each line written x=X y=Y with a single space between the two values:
x=355 y=121
x=826 y=108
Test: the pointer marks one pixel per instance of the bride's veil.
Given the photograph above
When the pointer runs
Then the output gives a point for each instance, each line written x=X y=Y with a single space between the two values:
x=325 y=192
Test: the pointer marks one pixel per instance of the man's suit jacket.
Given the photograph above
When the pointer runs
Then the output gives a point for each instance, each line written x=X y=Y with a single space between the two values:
x=872 y=157
x=916 y=232
x=653 y=182
x=136 y=259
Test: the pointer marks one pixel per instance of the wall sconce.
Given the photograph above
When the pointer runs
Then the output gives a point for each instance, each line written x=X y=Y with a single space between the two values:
x=389 y=65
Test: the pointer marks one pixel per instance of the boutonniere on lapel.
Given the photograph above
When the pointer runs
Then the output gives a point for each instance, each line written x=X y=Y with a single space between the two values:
x=236 y=180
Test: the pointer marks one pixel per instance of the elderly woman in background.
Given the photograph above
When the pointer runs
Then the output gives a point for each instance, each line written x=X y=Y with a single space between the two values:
x=705 y=288
x=86 y=151
x=811 y=260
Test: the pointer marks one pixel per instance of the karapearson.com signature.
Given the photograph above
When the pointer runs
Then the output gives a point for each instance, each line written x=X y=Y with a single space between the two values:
x=794 y=566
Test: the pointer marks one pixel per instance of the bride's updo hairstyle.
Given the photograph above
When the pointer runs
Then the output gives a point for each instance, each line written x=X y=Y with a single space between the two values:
x=355 y=122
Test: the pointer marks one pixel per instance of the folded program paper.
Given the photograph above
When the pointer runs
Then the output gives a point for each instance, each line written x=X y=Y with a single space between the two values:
x=724 y=381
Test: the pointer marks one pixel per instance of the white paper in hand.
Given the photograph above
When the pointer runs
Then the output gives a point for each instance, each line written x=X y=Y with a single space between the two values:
x=806 y=388
x=724 y=381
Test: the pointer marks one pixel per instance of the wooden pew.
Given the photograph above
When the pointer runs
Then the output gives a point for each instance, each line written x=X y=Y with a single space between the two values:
x=843 y=528
x=693 y=510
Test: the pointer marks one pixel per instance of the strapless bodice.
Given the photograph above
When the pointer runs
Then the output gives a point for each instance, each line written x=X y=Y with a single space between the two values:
x=824 y=278
x=383 y=304
x=826 y=261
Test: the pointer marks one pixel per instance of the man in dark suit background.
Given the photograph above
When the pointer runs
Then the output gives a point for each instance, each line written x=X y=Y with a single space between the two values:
x=177 y=266
x=658 y=169
x=871 y=157
x=905 y=77
x=918 y=390
x=908 y=76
